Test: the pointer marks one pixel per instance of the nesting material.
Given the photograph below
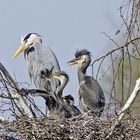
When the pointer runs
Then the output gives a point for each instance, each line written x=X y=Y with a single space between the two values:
x=79 y=128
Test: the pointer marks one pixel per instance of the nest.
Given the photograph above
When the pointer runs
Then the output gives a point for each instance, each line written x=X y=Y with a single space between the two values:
x=79 y=128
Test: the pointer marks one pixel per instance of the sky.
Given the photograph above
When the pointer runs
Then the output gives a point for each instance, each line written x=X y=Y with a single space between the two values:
x=65 y=26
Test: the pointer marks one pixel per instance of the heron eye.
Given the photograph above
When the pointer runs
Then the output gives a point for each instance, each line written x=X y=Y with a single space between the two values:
x=31 y=44
x=42 y=72
x=84 y=61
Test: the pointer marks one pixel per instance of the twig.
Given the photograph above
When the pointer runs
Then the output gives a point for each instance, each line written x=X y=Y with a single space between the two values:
x=110 y=52
x=16 y=92
x=34 y=92
x=7 y=97
x=127 y=105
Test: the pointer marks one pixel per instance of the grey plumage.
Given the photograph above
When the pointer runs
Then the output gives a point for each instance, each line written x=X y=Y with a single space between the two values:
x=39 y=57
x=65 y=105
x=90 y=94
x=59 y=75
x=55 y=104
x=69 y=101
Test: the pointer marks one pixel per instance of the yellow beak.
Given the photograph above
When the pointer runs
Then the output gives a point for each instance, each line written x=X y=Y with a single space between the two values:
x=20 y=50
x=73 y=62
x=56 y=77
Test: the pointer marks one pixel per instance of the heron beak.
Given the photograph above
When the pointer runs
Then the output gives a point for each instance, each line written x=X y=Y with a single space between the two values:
x=20 y=50
x=73 y=62
x=51 y=70
x=55 y=75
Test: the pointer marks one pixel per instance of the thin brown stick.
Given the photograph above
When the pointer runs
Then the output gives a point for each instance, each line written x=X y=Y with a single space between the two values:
x=110 y=52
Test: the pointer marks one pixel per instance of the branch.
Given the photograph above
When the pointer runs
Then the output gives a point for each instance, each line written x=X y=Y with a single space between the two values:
x=127 y=105
x=131 y=99
x=34 y=92
x=110 y=52
x=16 y=91
x=7 y=97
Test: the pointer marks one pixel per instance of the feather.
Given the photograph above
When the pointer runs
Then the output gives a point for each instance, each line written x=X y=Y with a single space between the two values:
x=82 y=52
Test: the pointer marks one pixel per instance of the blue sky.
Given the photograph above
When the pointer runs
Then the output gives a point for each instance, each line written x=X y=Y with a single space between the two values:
x=65 y=25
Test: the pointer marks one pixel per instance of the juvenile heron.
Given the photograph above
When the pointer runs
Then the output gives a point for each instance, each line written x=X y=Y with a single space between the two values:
x=90 y=94
x=55 y=104
x=61 y=76
x=69 y=100
x=38 y=57
x=57 y=108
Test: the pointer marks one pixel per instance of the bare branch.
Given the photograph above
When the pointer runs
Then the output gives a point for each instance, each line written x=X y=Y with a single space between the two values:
x=7 y=97
x=16 y=91
x=110 y=52
x=127 y=105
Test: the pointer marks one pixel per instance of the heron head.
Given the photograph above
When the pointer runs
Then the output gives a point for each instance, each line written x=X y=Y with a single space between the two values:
x=61 y=75
x=68 y=100
x=28 y=41
x=46 y=73
x=81 y=57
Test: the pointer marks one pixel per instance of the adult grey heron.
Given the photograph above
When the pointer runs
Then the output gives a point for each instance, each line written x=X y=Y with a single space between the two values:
x=38 y=57
x=90 y=94
x=69 y=100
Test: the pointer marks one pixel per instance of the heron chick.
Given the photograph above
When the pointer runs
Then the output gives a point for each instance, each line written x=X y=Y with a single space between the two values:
x=56 y=105
x=61 y=76
x=90 y=94
x=69 y=101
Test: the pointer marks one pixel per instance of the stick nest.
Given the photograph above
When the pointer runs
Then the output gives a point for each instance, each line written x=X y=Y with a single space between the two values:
x=80 y=128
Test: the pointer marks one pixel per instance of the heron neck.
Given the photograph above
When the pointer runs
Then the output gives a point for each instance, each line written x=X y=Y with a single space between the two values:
x=82 y=71
x=59 y=90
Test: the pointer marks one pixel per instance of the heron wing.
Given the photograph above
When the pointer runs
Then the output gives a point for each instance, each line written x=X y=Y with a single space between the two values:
x=51 y=58
x=40 y=59
x=91 y=93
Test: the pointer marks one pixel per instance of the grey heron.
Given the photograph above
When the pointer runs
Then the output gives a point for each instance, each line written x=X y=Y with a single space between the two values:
x=90 y=94
x=38 y=57
x=69 y=100
x=55 y=104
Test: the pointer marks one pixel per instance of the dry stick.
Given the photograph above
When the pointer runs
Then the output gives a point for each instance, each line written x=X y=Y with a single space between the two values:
x=13 y=103
x=34 y=92
x=110 y=52
x=3 y=81
x=127 y=105
x=16 y=92
x=7 y=97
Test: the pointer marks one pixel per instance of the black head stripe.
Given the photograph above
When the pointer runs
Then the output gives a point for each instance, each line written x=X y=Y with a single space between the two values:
x=82 y=52
x=28 y=50
x=28 y=35
x=69 y=98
